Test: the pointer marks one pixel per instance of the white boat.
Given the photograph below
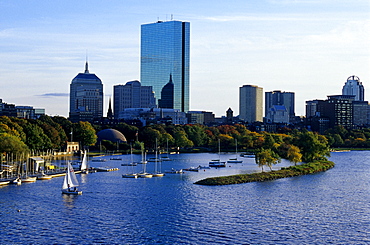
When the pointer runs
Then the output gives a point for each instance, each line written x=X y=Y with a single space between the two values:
x=29 y=179
x=235 y=160
x=217 y=162
x=70 y=182
x=174 y=171
x=44 y=176
x=157 y=169
x=166 y=158
x=132 y=164
x=145 y=175
x=17 y=181
x=84 y=168
x=130 y=176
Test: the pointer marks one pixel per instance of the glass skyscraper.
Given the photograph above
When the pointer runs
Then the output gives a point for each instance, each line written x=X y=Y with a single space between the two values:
x=165 y=50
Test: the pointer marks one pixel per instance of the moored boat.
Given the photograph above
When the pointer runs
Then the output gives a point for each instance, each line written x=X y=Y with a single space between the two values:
x=29 y=179
x=174 y=171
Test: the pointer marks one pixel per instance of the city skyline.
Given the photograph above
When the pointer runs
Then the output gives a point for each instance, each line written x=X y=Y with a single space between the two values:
x=307 y=47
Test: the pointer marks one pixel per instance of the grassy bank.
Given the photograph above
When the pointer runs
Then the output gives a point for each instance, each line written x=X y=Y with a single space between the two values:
x=307 y=168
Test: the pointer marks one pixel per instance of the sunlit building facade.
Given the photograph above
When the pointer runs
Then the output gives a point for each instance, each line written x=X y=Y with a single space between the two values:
x=353 y=86
x=86 y=97
x=165 y=50
x=251 y=103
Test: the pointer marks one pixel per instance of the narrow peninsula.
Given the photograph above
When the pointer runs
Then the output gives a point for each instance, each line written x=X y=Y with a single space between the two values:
x=303 y=169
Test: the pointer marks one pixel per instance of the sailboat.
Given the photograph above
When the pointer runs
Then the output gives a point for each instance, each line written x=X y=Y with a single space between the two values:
x=166 y=158
x=70 y=182
x=84 y=168
x=156 y=172
x=132 y=174
x=144 y=174
x=235 y=160
x=217 y=163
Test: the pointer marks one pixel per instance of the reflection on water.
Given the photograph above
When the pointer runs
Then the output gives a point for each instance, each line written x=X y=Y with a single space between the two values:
x=330 y=207
x=68 y=200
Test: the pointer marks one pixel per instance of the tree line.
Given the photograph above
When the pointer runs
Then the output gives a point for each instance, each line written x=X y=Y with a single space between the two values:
x=46 y=133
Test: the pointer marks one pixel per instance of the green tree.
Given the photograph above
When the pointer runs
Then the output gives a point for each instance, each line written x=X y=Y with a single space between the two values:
x=12 y=144
x=312 y=145
x=266 y=157
x=84 y=133
x=294 y=154
x=196 y=134
x=36 y=139
x=149 y=135
x=181 y=139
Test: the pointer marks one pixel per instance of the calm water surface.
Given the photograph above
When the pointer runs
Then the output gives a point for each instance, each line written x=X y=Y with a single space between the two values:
x=326 y=208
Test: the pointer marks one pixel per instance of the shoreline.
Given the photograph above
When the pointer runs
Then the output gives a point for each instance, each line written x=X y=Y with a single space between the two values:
x=285 y=172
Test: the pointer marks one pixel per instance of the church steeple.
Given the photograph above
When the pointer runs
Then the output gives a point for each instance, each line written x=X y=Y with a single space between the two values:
x=110 y=112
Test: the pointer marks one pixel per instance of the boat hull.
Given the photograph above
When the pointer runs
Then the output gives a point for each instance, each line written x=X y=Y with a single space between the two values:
x=67 y=192
x=133 y=176
x=217 y=164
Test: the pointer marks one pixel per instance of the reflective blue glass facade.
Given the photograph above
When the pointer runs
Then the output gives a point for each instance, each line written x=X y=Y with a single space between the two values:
x=164 y=51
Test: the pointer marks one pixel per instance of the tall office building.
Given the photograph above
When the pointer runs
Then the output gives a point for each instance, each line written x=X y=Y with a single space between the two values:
x=86 y=97
x=280 y=98
x=353 y=86
x=251 y=103
x=132 y=95
x=165 y=50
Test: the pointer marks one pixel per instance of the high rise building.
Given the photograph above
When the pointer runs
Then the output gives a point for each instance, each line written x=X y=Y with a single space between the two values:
x=132 y=95
x=353 y=86
x=165 y=50
x=280 y=99
x=86 y=97
x=251 y=103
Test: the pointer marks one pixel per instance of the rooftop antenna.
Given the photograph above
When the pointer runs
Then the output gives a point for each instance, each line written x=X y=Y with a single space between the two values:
x=171 y=16
x=86 y=64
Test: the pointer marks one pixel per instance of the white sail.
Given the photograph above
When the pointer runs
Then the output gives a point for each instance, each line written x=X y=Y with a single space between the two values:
x=84 y=162
x=70 y=179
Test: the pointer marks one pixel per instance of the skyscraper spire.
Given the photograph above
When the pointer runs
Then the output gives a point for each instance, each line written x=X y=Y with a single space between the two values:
x=86 y=67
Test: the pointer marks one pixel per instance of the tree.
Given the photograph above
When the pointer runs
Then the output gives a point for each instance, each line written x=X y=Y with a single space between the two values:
x=84 y=133
x=35 y=137
x=313 y=146
x=12 y=144
x=181 y=139
x=294 y=154
x=196 y=134
x=267 y=157
x=149 y=135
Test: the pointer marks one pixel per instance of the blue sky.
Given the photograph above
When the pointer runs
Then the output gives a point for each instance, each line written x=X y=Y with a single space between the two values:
x=309 y=47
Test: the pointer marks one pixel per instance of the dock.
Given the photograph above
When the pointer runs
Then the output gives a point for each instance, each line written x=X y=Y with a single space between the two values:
x=105 y=169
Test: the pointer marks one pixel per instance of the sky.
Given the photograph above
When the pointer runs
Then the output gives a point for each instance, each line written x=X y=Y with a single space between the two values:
x=309 y=47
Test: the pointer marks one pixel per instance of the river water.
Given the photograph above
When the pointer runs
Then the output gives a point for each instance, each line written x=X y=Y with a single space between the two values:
x=332 y=207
